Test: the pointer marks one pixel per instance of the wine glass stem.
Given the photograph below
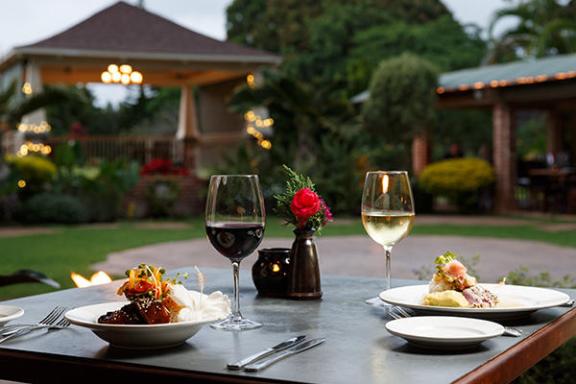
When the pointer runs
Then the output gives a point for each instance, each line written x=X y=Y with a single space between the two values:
x=236 y=305
x=388 y=251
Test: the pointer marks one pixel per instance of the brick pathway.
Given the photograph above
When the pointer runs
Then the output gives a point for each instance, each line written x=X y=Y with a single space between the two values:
x=358 y=255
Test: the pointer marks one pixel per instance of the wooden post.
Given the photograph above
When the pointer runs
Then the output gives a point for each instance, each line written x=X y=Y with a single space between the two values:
x=504 y=142
x=420 y=152
x=188 y=132
x=554 y=133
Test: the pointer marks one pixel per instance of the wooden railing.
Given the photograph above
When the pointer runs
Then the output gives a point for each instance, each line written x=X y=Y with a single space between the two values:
x=137 y=148
x=210 y=148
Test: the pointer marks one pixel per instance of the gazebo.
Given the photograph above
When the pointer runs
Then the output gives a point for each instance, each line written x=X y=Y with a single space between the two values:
x=547 y=84
x=164 y=53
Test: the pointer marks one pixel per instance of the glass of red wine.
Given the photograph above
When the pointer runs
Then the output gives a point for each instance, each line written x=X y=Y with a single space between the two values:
x=235 y=226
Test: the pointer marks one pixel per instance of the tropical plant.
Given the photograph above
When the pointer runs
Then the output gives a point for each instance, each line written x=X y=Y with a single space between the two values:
x=13 y=105
x=544 y=28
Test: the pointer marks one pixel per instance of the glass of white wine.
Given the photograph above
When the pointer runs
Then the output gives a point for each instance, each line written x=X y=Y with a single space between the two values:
x=387 y=212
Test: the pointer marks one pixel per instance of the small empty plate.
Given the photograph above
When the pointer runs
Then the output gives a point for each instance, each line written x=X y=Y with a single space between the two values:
x=443 y=332
x=9 y=312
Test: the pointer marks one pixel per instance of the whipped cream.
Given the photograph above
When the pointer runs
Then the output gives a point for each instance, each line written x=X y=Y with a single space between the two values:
x=198 y=306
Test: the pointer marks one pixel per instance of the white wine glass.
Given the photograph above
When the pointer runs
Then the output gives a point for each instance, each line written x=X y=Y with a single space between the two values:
x=387 y=213
x=235 y=226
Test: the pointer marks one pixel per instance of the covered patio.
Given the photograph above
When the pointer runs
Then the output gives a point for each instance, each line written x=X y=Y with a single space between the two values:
x=165 y=54
x=547 y=85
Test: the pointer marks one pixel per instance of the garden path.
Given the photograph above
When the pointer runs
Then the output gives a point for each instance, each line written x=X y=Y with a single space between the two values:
x=358 y=255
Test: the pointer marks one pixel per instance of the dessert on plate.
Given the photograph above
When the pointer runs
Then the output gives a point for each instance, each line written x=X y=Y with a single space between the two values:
x=156 y=300
x=452 y=286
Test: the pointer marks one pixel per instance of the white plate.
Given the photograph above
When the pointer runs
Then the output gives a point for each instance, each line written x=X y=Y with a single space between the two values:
x=515 y=301
x=9 y=312
x=134 y=336
x=444 y=332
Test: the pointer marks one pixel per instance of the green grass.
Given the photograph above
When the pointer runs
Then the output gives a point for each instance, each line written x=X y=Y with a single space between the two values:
x=76 y=248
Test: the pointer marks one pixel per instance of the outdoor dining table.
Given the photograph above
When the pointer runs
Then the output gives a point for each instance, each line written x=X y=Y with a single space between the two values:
x=358 y=349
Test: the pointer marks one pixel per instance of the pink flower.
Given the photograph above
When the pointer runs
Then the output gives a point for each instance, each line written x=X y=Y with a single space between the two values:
x=327 y=213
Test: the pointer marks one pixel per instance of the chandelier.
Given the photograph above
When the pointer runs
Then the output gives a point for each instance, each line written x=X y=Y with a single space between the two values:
x=121 y=74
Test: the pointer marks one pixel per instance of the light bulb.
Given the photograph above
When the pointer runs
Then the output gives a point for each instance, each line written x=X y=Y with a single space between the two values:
x=125 y=68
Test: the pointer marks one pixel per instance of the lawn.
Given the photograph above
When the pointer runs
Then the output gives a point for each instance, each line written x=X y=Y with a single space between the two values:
x=76 y=248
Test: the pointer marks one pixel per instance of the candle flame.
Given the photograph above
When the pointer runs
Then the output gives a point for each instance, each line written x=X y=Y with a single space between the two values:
x=98 y=278
x=385 y=183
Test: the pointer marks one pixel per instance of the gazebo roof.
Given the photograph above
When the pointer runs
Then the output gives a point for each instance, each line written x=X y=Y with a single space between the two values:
x=134 y=33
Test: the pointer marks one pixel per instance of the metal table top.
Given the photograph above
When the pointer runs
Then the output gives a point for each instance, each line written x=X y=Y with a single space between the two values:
x=358 y=347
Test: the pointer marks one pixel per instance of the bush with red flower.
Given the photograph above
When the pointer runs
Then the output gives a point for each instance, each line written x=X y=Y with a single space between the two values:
x=162 y=167
x=300 y=204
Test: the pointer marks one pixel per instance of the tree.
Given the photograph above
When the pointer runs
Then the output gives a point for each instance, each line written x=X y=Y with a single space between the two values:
x=545 y=27
x=402 y=98
x=323 y=42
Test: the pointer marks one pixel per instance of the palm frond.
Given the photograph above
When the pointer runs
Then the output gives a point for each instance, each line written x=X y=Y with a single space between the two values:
x=30 y=104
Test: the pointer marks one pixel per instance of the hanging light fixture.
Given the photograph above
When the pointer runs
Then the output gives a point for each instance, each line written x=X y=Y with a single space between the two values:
x=121 y=74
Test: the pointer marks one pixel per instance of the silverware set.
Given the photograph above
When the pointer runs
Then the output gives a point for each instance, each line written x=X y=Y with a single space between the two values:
x=53 y=320
x=269 y=356
x=396 y=313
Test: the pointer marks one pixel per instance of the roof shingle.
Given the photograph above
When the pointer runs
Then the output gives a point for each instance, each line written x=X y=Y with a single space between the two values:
x=126 y=28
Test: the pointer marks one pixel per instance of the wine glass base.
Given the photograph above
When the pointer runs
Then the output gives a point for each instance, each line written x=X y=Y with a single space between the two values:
x=235 y=324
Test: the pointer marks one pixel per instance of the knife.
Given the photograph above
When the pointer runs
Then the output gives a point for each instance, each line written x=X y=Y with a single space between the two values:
x=261 y=364
x=267 y=352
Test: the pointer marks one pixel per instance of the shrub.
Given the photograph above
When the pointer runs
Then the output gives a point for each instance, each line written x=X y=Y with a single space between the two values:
x=36 y=172
x=560 y=366
x=32 y=168
x=161 y=196
x=460 y=180
x=53 y=208
x=163 y=167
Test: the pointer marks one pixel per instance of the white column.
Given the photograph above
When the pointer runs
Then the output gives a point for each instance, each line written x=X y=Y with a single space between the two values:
x=188 y=132
x=187 y=118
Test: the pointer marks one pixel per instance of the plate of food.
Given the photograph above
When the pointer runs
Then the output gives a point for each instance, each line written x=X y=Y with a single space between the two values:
x=158 y=313
x=9 y=313
x=444 y=332
x=453 y=291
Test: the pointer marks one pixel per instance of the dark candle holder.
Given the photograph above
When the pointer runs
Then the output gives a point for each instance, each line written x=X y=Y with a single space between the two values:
x=270 y=272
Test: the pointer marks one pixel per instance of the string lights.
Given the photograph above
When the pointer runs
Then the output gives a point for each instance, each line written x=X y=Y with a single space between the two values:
x=521 y=80
x=38 y=129
x=121 y=74
x=256 y=121
x=31 y=147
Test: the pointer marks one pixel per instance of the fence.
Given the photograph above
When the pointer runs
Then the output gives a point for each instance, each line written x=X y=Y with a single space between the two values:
x=137 y=148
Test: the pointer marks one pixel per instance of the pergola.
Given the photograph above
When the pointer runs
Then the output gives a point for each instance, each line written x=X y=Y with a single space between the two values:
x=547 y=84
x=166 y=54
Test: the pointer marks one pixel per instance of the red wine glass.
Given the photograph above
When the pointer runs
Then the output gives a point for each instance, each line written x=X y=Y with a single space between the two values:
x=235 y=226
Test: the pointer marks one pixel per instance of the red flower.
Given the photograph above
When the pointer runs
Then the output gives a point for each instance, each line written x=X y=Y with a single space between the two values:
x=305 y=204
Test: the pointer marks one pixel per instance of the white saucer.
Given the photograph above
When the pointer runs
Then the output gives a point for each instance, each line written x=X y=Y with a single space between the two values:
x=443 y=332
x=9 y=312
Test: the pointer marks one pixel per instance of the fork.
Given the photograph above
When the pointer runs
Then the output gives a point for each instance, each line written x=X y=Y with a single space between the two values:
x=47 y=322
x=397 y=313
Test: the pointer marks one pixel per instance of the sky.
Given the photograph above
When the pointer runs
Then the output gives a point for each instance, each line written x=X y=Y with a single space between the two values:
x=26 y=21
